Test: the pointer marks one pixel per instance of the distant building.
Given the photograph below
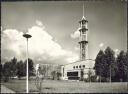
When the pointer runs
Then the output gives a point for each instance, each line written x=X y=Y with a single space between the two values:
x=79 y=69
x=47 y=69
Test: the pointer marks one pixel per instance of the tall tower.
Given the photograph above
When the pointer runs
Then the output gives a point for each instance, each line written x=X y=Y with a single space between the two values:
x=83 y=38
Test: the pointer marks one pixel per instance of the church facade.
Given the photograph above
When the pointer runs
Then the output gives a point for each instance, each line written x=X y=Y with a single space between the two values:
x=77 y=70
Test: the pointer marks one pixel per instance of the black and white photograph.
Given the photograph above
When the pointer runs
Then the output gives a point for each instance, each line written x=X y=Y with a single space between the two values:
x=75 y=46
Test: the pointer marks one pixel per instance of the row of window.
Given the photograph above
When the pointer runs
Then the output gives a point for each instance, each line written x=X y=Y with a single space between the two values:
x=80 y=66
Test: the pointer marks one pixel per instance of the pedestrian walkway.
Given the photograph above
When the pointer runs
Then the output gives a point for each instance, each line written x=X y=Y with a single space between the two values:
x=6 y=90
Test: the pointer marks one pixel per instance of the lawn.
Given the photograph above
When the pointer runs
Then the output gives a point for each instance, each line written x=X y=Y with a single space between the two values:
x=54 y=86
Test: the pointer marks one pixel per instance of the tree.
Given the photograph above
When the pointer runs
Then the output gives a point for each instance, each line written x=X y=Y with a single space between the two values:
x=20 y=69
x=122 y=66
x=127 y=65
x=110 y=64
x=6 y=71
x=89 y=75
x=99 y=64
x=43 y=70
x=13 y=67
x=9 y=69
x=1 y=72
x=30 y=66
x=58 y=75
x=53 y=73
x=93 y=78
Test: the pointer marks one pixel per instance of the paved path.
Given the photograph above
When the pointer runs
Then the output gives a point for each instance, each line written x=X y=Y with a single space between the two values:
x=6 y=90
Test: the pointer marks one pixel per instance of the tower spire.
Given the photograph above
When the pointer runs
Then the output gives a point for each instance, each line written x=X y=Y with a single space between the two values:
x=83 y=10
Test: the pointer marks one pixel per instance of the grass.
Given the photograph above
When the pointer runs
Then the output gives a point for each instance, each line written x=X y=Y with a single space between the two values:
x=53 y=86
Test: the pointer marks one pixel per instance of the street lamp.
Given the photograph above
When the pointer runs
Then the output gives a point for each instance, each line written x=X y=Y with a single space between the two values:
x=27 y=36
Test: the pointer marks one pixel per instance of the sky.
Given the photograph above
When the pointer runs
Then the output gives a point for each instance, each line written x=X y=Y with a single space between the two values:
x=55 y=29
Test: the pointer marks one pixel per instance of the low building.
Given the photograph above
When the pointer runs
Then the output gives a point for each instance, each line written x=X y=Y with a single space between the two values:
x=77 y=70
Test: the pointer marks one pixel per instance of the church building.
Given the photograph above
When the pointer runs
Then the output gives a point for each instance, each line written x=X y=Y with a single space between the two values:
x=80 y=69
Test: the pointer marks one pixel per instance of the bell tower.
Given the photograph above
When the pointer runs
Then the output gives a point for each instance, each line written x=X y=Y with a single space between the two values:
x=83 y=42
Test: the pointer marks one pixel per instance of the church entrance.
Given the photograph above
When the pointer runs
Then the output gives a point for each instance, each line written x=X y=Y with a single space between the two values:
x=72 y=75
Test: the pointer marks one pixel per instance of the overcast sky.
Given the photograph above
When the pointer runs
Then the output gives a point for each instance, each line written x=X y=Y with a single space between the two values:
x=54 y=29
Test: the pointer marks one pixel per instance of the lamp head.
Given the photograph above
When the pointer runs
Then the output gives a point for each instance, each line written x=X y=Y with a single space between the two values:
x=27 y=36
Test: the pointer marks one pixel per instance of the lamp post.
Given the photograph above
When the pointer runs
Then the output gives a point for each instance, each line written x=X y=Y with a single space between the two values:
x=27 y=36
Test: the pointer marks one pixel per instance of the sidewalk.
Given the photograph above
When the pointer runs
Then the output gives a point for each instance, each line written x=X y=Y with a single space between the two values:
x=6 y=90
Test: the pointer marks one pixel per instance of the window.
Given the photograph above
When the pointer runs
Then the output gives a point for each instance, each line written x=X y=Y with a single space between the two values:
x=76 y=66
x=80 y=66
x=83 y=66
